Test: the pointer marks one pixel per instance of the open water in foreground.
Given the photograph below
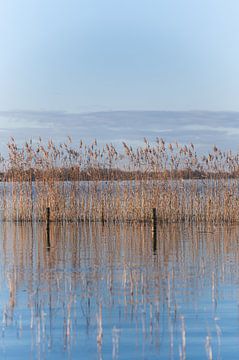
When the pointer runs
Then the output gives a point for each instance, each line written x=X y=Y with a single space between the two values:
x=116 y=292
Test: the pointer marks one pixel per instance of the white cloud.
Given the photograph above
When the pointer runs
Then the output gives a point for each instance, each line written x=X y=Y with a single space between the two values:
x=230 y=131
x=201 y=128
x=20 y=123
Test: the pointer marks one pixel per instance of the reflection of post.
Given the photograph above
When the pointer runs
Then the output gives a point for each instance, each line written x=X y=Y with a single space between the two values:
x=48 y=227
x=154 y=229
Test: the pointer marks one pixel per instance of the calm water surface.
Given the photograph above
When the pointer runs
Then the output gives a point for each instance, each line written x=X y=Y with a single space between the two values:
x=116 y=292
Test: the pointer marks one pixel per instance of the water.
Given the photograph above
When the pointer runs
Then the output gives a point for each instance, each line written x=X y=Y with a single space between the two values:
x=114 y=292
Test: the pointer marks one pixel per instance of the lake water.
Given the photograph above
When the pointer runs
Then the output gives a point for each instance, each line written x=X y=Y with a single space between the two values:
x=118 y=292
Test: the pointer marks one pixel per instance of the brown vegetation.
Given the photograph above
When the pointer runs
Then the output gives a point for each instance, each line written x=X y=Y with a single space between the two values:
x=93 y=183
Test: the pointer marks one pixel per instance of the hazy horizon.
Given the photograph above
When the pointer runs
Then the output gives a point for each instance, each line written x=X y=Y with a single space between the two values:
x=203 y=128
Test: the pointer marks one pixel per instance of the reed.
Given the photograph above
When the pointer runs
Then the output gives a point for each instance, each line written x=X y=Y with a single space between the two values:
x=108 y=184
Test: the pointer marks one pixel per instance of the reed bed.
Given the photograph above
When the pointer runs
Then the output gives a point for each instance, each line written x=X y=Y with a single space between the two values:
x=95 y=183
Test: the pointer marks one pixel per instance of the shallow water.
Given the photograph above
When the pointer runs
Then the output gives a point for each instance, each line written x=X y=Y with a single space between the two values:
x=117 y=292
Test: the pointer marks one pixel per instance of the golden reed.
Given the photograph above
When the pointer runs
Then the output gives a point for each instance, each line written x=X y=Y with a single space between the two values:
x=103 y=183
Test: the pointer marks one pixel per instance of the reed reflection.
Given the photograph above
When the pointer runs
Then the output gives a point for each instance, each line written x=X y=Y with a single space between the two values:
x=100 y=287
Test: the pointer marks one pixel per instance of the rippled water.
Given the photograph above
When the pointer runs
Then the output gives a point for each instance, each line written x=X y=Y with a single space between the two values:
x=117 y=292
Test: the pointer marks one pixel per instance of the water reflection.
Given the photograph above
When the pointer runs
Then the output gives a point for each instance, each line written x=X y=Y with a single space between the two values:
x=119 y=292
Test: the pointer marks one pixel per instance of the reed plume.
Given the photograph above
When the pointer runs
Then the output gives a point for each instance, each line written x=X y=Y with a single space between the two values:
x=108 y=184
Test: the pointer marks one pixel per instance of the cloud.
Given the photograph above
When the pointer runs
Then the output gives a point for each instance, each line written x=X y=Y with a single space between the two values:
x=229 y=131
x=202 y=128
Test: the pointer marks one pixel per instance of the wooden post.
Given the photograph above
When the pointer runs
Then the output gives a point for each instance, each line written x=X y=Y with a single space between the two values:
x=102 y=214
x=154 y=228
x=154 y=217
x=48 y=227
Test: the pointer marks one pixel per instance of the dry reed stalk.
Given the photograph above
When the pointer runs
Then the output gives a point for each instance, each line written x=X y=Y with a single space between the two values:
x=90 y=183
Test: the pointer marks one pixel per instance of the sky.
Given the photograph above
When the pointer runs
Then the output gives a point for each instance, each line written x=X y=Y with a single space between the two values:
x=91 y=55
x=202 y=128
x=75 y=57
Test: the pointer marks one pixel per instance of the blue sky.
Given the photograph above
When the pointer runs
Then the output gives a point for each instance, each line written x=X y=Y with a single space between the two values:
x=62 y=60
x=91 y=55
